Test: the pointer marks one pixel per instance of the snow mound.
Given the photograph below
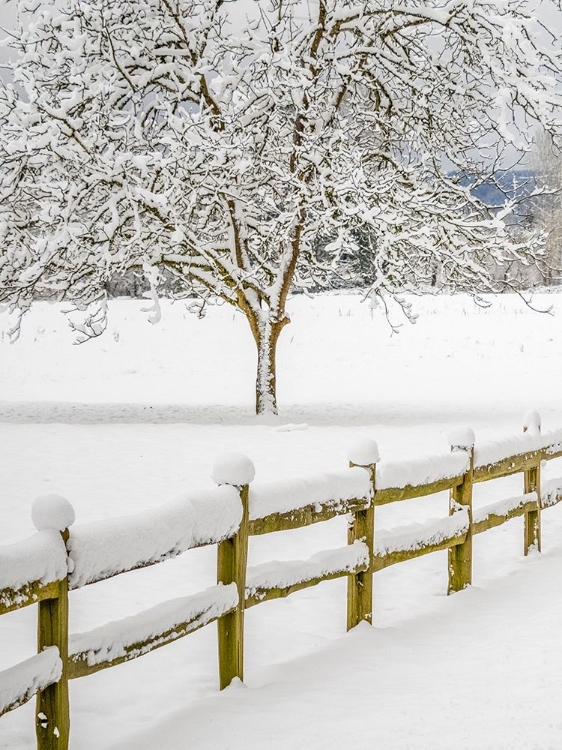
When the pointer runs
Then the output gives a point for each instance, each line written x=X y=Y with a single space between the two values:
x=233 y=468
x=462 y=437
x=52 y=512
x=364 y=452
x=105 y=548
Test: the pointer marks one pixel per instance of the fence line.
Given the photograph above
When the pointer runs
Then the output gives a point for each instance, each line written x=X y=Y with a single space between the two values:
x=61 y=557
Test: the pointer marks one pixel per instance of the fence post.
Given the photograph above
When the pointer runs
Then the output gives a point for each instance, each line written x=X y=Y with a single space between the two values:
x=365 y=454
x=532 y=483
x=52 y=723
x=460 y=498
x=238 y=471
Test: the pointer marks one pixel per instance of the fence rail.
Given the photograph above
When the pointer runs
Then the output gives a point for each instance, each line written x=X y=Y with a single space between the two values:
x=62 y=557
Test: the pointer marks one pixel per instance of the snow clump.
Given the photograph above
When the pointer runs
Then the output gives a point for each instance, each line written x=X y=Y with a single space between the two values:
x=532 y=422
x=52 y=512
x=233 y=468
x=363 y=452
x=462 y=437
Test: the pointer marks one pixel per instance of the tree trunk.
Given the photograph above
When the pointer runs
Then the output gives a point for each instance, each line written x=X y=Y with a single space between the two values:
x=266 y=336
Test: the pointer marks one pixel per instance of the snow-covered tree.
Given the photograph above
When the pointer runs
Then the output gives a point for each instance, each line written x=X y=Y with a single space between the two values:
x=255 y=147
x=546 y=210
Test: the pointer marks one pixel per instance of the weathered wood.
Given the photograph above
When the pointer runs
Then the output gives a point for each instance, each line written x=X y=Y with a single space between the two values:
x=360 y=585
x=306 y=516
x=258 y=595
x=78 y=662
x=231 y=568
x=495 y=519
x=52 y=723
x=511 y=465
x=396 y=494
x=551 y=452
x=460 y=555
x=397 y=556
x=21 y=701
x=31 y=593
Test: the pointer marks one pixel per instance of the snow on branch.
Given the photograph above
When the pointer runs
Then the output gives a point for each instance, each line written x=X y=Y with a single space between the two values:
x=248 y=154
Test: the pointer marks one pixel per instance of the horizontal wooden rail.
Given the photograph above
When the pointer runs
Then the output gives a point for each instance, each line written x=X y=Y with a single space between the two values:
x=301 y=517
x=401 y=555
x=90 y=652
x=514 y=464
x=31 y=593
x=21 y=700
x=490 y=519
x=279 y=579
x=171 y=555
x=409 y=492
x=257 y=595
x=22 y=682
x=509 y=466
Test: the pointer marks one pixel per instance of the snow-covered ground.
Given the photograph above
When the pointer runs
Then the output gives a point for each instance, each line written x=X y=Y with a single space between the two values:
x=137 y=417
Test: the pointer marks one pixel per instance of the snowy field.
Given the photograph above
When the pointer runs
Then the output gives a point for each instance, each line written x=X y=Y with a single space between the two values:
x=136 y=417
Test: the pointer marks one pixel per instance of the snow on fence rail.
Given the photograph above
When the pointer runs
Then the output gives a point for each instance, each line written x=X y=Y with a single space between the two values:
x=62 y=557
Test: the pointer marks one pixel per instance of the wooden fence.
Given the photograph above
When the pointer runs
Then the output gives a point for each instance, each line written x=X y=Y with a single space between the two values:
x=366 y=485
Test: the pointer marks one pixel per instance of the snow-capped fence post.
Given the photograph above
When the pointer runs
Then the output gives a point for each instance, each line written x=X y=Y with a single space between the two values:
x=365 y=454
x=532 y=483
x=238 y=471
x=52 y=723
x=460 y=556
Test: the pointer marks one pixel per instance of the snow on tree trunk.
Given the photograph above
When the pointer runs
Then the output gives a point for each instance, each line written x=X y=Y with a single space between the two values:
x=266 y=395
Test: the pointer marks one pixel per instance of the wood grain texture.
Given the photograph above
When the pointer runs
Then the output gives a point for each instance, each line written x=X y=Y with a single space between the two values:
x=52 y=721
x=460 y=555
x=232 y=561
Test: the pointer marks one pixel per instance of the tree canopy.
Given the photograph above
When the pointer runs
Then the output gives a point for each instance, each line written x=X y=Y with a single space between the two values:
x=252 y=148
